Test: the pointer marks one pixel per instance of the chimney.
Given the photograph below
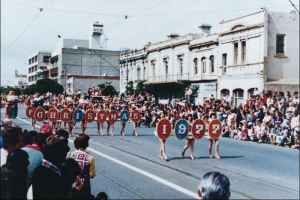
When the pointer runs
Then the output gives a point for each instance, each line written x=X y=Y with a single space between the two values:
x=205 y=29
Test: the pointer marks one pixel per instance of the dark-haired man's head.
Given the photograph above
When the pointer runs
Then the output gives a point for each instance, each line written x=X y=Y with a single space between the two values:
x=214 y=185
x=29 y=137
x=101 y=196
x=55 y=149
x=12 y=138
x=63 y=133
x=82 y=141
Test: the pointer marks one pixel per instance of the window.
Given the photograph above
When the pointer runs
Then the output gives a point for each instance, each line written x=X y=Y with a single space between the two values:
x=203 y=64
x=144 y=73
x=46 y=59
x=280 y=43
x=166 y=64
x=224 y=59
x=195 y=65
x=235 y=52
x=153 y=68
x=29 y=61
x=180 y=63
x=212 y=63
x=138 y=71
x=243 y=51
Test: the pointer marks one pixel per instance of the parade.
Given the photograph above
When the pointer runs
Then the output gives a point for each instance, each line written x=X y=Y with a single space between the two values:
x=149 y=99
x=269 y=118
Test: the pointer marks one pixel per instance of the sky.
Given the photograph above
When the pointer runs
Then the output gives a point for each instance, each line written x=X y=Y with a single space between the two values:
x=25 y=29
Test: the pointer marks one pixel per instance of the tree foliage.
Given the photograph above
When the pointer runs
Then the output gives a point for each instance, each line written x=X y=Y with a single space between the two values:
x=5 y=90
x=140 y=87
x=107 y=89
x=129 y=88
x=43 y=86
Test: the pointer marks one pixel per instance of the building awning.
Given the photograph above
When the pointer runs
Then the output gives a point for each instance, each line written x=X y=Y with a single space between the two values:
x=159 y=82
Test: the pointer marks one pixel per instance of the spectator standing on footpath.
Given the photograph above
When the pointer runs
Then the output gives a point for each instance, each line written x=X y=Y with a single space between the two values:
x=14 y=170
x=82 y=189
x=48 y=179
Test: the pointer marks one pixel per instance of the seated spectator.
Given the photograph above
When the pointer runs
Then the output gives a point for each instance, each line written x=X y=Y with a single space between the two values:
x=86 y=162
x=14 y=171
x=48 y=180
x=214 y=185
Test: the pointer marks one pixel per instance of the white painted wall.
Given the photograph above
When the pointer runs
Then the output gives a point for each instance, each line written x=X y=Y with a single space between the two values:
x=286 y=68
x=258 y=29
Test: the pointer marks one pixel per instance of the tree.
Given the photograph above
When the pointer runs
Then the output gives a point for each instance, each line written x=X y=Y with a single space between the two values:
x=129 y=88
x=5 y=90
x=140 y=87
x=107 y=89
x=43 y=86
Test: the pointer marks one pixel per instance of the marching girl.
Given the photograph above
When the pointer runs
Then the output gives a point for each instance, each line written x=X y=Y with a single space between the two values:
x=214 y=142
x=72 y=122
x=84 y=121
x=134 y=123
x=124 y=119
x=111 y=120
x=190 y=140
x=59 y=121
x=107 y=110
x=162 y=142
x=100 y=124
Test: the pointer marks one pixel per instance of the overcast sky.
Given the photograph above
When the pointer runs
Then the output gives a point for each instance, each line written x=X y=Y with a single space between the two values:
x=25 y=30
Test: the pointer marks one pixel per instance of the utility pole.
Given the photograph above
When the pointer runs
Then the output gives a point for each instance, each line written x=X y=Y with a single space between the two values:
x=294 y=6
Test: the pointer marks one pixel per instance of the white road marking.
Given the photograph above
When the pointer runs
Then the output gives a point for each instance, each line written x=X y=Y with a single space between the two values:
x=137 y=170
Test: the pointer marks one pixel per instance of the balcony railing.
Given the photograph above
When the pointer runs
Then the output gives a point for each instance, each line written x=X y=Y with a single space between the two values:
x=169 y=78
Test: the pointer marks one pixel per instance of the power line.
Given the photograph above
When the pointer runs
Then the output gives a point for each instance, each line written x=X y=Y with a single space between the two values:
x=295 y=7
x=36 y=17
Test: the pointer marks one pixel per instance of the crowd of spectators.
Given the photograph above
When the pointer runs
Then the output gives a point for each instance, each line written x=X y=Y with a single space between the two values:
x=39 y=166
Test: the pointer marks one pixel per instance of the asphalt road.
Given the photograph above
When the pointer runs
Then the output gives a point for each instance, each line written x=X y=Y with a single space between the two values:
x=129 y=167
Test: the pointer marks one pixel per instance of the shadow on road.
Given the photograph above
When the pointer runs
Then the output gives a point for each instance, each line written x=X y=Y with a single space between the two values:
x=203 y=157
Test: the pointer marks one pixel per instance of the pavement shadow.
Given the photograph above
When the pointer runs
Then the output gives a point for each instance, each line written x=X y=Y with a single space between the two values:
x=202 y=157
x=89 y=134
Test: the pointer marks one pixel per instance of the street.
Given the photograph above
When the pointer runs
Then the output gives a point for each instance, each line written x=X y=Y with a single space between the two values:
x=130 y=168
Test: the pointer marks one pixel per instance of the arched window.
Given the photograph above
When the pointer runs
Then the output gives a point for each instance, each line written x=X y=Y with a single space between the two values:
x=238 y=95
x=203 y=64
x=195 y=65
x=212 y=63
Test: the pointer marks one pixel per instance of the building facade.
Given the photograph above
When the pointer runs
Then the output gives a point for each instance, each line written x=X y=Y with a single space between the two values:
x=249 y=54
x=78 y=64
x=37 y=66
